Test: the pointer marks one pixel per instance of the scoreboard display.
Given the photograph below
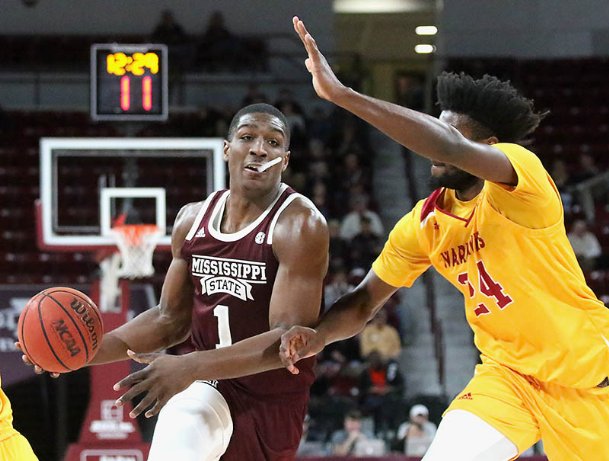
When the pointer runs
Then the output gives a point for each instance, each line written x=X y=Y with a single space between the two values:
x=129 y=82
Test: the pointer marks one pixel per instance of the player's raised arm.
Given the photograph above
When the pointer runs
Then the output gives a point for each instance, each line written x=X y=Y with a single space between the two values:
x=419 y=132
x=166 y=324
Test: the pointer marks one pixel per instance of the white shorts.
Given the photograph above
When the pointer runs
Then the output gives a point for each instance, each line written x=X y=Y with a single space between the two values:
x=464 y=436
x=194 y=425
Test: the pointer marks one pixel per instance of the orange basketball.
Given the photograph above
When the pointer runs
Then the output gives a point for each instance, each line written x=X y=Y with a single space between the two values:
x=60 y=329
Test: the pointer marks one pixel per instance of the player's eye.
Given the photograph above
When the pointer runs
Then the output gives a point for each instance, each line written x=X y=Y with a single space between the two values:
x=273 y=142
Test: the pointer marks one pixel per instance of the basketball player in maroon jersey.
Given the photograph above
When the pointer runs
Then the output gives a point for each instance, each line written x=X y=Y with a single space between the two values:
x=248 y=263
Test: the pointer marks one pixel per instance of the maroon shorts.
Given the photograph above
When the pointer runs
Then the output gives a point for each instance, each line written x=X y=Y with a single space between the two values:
x=263 y=430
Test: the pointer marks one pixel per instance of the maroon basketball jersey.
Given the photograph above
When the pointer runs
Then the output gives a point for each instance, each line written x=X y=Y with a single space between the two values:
x=233 y=276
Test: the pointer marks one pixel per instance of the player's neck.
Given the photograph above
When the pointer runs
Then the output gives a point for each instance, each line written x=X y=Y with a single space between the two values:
x=470 y=192
x=242 y=209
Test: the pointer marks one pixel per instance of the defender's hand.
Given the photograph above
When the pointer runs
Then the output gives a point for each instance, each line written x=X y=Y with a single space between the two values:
x=325 y=82
x=27 y=361
x=299 y=343
x=165 y=376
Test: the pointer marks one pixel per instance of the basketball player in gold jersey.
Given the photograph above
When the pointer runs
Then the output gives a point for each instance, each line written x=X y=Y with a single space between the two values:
x=13 y=446
x=494 y=229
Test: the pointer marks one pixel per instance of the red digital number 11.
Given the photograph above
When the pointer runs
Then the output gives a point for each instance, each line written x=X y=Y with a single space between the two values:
x=125 y=95
x=488 y=287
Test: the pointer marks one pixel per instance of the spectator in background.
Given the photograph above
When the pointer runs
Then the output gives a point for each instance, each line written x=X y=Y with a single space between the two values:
x=338 y=286
x=365 y=246
x=254 y=95
x=219 y=48
x=181 y=49
x=344 y=442
x=379 y=336
x=417 y=433
x=319 y=196
x=585 y=245
x=351 y=224
x=286 y=97
x=381 y=387
x=339 y=248
x=168 y=31
x=353 y=174
x=309 y=446
x=587 y=168
x=560 y=175
x=409 y=91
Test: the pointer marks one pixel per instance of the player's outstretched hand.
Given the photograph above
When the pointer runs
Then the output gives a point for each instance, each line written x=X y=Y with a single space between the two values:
x=27 y=361
x=165 y=376
x=325 y=83
x=299 y=343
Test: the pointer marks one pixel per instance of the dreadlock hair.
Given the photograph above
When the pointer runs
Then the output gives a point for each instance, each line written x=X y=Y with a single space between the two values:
x=495 y=107
x=257 y=109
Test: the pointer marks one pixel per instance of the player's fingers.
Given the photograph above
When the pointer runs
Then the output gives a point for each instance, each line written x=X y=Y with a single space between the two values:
x=55 y=375
x=146 y=402
x=18 y=346
x=132 y=393
x=155 y=409
x=132 y=379
x=143 y=358
x=298 y=27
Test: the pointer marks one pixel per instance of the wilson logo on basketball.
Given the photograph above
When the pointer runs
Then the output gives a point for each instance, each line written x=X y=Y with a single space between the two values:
x=78 y=307
x=60 y=327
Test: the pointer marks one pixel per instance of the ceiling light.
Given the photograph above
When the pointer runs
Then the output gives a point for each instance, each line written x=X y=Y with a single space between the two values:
x=426 y=30
x=424 y=48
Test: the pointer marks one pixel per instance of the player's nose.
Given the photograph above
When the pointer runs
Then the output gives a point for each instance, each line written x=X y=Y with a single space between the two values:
x=258 y=148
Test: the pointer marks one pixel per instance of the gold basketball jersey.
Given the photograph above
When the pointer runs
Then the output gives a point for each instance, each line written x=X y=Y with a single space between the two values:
x=507 y=252
x=6 y=416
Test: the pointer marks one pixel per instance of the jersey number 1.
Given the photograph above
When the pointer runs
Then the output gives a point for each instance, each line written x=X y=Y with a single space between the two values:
x=221 y=312
x=488 y=287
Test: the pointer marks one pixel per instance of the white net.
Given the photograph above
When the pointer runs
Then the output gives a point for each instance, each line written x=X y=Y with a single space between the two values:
x=136 y=243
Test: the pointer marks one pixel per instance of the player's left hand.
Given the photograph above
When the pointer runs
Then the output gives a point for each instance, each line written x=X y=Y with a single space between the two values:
x=165 y=376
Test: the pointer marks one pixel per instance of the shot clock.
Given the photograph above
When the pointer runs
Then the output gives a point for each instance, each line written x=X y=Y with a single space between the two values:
x=128 y=82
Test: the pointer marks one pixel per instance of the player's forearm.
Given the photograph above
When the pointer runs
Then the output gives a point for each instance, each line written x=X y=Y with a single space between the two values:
x=347 y=317
x=252 y=355
x=148 y=332
x=419 y=132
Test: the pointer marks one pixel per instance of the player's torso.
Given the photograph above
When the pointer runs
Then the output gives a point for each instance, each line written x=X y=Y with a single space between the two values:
x=6 y=416
x=233 y=277
x=525 y=295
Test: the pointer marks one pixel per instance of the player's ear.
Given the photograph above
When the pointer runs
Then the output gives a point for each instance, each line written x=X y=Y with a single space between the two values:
x=286 y=161
x=225 y=148
x=492 y=140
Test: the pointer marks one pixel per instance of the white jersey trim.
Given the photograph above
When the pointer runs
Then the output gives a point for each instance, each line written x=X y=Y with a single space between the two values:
x=216 y=215
x=199 y=217
x=283 y=206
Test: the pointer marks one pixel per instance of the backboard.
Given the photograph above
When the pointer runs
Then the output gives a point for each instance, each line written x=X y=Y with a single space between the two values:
x=86 y=184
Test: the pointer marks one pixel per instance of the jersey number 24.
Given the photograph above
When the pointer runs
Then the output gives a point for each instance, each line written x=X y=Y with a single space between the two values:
x=488 y=287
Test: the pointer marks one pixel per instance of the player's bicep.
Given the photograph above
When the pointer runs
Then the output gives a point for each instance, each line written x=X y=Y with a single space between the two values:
x=485 y=161
x=301 y=246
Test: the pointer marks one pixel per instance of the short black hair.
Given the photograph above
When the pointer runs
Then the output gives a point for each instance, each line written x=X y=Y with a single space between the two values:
x=257 y=109
x=495 y=106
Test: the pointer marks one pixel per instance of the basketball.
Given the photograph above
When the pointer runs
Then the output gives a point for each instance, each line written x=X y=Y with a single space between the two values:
x=60 y=329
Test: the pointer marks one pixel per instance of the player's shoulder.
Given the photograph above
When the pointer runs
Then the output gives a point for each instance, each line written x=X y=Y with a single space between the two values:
x=518 y=154
x=301 y=219
x=187 y=216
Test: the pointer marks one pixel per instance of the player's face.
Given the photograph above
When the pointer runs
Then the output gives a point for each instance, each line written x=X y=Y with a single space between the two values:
x=258 y=139
x=444 y=174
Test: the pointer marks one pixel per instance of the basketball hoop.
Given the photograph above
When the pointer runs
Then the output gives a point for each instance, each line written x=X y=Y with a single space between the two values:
x=136 y=243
